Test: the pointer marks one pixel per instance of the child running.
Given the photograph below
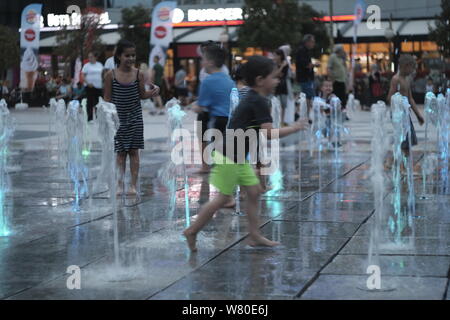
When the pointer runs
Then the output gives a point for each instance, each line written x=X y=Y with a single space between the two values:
x=253 y=113
x=125 y=87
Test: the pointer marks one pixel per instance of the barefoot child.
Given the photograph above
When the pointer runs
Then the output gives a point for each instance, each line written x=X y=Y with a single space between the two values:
x=125 y=87
x=401 y=83
x=253 y=113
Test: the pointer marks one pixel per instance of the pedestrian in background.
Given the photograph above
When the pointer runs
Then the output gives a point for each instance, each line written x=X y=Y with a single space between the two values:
x=92 y=72
x=305 y=69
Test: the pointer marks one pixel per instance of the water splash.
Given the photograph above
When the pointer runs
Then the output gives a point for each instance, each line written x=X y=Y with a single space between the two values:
x=336 y=126
x=6 y=132
x=380 y=145
x=61 y=133
x=401 y=121
x=318 y=126
x=87 y=142
x=429 y=160
x=168 y=174
x=234 y=102
x=77 y=168
x=443 y=106
x=108 y=123
x=275 y=183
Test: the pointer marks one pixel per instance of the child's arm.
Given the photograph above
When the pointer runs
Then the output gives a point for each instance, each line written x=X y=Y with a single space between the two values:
x=392 y=89
x=108 y=86
x=147 y=94
x=283 y=132
x=414 y=107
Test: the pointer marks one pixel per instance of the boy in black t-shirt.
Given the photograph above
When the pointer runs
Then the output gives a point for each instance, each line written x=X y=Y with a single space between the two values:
x=252 y=115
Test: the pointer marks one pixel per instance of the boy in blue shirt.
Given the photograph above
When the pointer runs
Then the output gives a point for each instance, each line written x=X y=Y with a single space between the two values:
x=214 y=95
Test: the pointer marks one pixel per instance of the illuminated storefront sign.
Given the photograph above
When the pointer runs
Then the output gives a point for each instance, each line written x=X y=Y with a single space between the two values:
x=220 y=14
x=73 y=20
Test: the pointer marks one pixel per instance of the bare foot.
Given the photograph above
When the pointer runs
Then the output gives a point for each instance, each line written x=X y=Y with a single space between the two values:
x=119 y=190
x=132 y=191
x=191 y=240
x=261 y=241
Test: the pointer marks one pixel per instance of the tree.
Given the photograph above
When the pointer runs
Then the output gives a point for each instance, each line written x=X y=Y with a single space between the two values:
x=269 y=24
x=74 y=43
x=133 y=20
x=441 y=34
x=9 y=49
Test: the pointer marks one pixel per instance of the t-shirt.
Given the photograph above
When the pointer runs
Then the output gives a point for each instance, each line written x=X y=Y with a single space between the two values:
x=93 y=73
x=251 y=113
x=215 y=93
x=203 y=74
x=180 y=78
x=110 y=64
x=338 y=68
x=304 y=73
x=159 y=72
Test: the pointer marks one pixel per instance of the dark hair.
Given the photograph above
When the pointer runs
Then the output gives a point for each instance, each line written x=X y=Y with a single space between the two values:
x=257 y=66
x=206 y=44
x=216 y=54
x=94 y=53
x=239 y=73
x=120 y=48
x=325 y=79
x=281 y=53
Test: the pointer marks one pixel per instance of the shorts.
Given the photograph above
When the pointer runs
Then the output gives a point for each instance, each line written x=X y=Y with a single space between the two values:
x=203 y=117
x=405 y=144
x=226 y=174
x=219 y=123
x=308 y=89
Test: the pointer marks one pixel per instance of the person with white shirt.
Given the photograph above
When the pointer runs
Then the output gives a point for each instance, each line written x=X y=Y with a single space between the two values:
x=92 y=72
x=109 y=64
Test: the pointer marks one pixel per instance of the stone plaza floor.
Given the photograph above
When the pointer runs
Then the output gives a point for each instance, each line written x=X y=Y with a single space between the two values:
x=323 y=218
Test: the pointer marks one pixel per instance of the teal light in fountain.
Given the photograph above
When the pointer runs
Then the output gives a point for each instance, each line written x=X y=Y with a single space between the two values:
x=276 y=183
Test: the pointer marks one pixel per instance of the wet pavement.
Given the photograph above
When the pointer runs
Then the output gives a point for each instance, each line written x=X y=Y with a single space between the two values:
x=324 y=218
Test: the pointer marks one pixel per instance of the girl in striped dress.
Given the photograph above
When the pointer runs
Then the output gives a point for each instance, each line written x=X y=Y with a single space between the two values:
x=125 y=87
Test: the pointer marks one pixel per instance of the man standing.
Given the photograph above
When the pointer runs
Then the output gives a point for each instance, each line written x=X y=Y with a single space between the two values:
x=305 y=69
x=337 y=71
x=157 y=78
x=181 y=90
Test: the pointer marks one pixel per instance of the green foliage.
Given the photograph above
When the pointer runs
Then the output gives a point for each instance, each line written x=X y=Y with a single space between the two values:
x=9 y=49
x=442 y=32
x=137 y=16
x=270 y=24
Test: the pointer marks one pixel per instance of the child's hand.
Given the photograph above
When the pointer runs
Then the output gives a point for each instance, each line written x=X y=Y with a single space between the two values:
x=196 y=108
x=301 y=124
x=420 y=119
x=154 y=91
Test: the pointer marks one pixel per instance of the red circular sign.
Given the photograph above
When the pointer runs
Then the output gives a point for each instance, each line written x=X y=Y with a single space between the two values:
x=30 y=35
x=160 y=32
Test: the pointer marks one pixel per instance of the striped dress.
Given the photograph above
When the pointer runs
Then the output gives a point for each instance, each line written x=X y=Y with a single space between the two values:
x=126 y=97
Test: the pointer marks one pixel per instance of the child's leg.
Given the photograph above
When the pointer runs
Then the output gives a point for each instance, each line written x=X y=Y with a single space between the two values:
x=203 y=217
x=252 y=208
x=134 y=169
x=121 y=164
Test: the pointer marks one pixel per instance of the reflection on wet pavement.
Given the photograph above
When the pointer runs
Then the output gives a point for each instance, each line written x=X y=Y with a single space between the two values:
x=323 y=218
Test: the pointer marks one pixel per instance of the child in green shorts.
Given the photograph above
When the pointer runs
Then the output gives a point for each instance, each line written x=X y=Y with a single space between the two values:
x=253 y=113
